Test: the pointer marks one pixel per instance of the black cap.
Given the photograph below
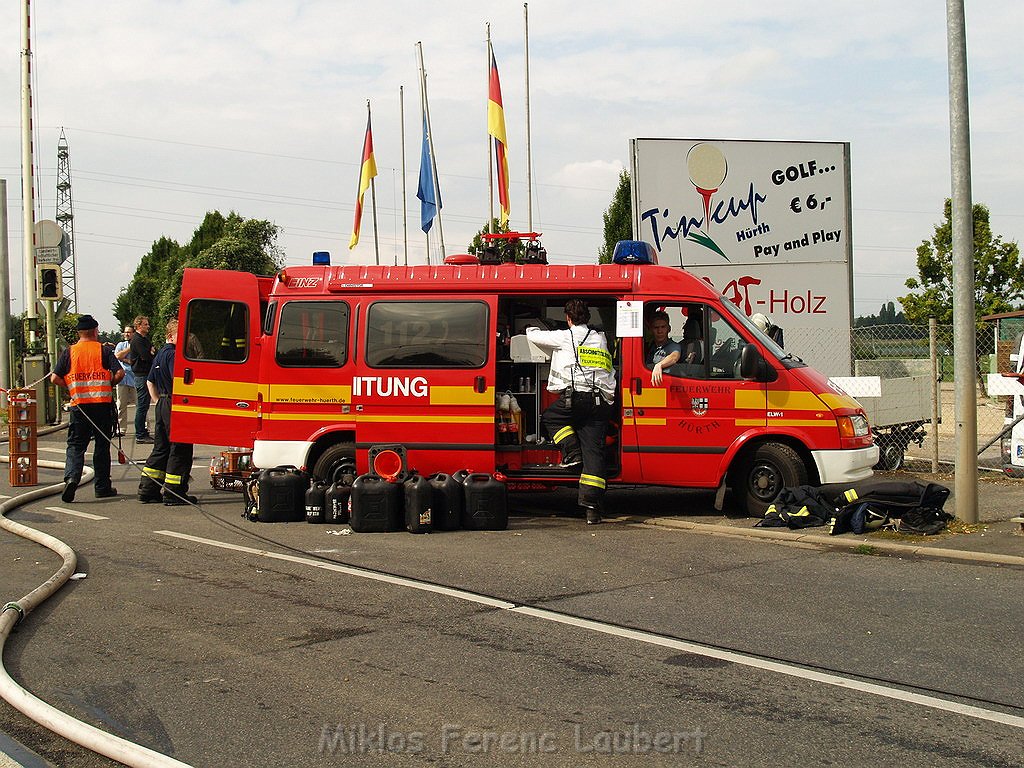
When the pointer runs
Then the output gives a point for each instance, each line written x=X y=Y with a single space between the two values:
x=87 y=323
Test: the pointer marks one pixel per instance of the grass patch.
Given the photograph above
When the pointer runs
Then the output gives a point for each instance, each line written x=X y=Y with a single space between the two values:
x=955 y=527
x=864 y=549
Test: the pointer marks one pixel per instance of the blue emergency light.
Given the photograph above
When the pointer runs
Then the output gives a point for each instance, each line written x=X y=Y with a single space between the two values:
x=634 y=252
x=322 y=257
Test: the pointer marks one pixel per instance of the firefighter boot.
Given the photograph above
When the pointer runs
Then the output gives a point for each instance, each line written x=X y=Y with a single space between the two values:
x=593 y=513
x=569 y=445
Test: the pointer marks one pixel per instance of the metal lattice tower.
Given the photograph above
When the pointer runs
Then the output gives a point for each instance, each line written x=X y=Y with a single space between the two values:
x=66 y=220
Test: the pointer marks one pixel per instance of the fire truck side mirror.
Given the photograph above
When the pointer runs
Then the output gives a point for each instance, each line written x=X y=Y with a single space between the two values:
x=753 y=366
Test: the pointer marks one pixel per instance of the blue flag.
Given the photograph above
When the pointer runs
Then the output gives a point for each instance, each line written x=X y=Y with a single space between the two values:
x=429 y=202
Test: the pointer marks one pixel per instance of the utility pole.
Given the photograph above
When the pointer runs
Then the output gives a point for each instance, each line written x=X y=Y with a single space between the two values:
x=28 y=202
x=5 y=298
x=965 y=415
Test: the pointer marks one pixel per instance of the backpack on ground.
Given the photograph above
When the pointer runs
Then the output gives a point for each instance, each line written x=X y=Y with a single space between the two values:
x=917 y=503
x=923 y=522
x=802 y=506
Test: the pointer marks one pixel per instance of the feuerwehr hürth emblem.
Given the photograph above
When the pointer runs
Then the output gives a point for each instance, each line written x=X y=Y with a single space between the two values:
x=699 y=406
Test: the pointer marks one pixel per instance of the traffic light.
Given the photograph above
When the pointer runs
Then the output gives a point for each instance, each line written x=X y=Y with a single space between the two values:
x=49 y=282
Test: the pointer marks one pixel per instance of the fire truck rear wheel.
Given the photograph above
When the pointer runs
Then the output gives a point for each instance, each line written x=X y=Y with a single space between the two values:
x=769 y=468
x=339 y=456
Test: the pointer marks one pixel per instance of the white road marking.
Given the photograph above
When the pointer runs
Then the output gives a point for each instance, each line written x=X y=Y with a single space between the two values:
x=349 y=570
x=649 y=638
x=46 y=449
x=76 y=513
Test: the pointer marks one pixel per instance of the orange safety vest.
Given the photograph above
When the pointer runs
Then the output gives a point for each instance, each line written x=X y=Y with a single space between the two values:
x=88 y=381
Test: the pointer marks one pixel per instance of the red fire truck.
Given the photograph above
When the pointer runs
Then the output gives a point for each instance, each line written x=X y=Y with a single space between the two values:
x=320 y=366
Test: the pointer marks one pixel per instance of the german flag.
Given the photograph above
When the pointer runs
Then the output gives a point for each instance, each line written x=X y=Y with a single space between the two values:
x=496 y=128
x=367 y=171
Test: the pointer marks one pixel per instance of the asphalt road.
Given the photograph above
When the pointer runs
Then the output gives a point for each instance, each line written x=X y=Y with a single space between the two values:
x=222 y=656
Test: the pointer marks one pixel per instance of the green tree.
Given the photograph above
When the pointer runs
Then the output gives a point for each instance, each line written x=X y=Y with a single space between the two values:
x=887 y=315
x=618 y=219
x=232 y=242
x=998 y=279
x=476 y=245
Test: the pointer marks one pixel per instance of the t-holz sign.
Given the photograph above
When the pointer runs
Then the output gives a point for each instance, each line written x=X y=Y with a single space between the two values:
x=765 y=222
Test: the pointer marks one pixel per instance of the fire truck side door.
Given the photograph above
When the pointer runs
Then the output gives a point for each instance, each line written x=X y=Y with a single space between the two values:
x=216 y=366
x=684 y=426
x=425 y=378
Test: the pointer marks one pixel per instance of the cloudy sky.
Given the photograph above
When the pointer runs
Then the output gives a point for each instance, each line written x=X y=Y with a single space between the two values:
x=177 y=107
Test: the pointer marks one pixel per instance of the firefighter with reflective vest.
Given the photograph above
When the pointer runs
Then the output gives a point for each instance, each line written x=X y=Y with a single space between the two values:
x=90 y=372
x=581 y=373
x=165 y=476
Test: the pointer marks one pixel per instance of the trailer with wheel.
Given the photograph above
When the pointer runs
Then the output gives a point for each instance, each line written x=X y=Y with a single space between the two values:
x=897 y=409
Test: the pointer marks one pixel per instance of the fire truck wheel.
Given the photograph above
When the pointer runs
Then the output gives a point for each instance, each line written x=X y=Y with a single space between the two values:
x=769 y=468
x=333 y=459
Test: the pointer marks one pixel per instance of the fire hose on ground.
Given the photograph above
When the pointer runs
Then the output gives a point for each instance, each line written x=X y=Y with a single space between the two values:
x=61 y=723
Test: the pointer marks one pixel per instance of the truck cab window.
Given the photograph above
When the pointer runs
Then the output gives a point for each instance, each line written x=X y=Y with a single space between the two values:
x=313 y=334
x=676 y=336
x=217 y=330
x=725 y=346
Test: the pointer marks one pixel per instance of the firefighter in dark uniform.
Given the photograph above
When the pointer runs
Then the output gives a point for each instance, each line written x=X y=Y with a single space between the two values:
x=168 y=466
x=90 y=372
x=581 y=372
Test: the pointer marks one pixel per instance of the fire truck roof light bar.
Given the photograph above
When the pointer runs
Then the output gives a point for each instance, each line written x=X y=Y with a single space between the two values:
x=634 y=252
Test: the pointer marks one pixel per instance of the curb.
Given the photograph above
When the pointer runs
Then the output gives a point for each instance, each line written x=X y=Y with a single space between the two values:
x=834 y=542
x=14 y=754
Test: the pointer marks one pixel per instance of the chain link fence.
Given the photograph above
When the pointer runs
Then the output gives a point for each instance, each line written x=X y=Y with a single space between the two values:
x=906 y=359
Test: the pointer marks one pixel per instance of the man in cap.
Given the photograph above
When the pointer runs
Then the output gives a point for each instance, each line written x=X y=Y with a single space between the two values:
x=89 y=371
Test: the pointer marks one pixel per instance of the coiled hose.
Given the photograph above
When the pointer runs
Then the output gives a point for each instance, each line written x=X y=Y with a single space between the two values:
x=61 y=723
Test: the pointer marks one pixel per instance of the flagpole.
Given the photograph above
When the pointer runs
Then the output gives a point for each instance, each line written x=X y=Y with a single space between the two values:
x=490 y=150
x=430 y=143
x=423 y=114
x=405 y=222
x=529 y=159
x=373 y=202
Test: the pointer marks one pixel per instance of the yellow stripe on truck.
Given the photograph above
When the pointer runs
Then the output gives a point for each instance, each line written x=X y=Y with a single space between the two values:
x=652 y=397
x=326 y=418
x=839 y=401
x=642 y=422
x=778 y=400
x=750 y=399
x=447 y=419
x=463 y=395
x=793 y=400
x=232 y=390
x=825 y=421
x=202 y=411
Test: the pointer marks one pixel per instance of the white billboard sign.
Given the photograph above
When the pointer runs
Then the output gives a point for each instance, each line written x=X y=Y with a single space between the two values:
x=766 y=222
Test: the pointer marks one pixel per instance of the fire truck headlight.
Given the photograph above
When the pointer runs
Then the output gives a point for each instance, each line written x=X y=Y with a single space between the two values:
x=853 y=426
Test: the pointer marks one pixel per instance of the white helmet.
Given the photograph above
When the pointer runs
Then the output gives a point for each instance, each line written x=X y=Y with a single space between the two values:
x=763 y=322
